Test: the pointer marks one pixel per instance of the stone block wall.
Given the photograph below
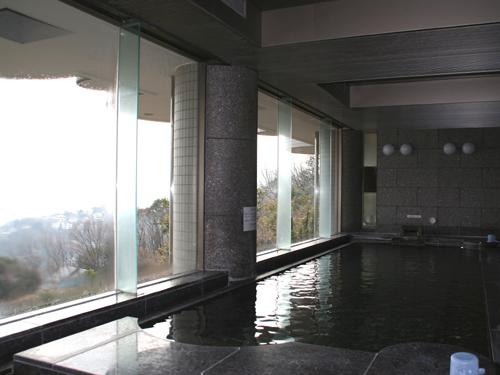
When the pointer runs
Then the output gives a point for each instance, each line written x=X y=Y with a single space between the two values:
x=461 y=191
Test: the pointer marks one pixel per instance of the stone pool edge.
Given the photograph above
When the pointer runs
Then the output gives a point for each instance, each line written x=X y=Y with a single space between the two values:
x=123 y=343
x=184 y=290
x=490 y=269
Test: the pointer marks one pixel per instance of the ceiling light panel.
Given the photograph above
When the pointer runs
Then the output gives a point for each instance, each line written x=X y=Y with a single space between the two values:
x=20 y=28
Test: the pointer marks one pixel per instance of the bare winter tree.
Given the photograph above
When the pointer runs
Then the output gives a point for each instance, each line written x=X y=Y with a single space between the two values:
x=266 y=213
x=56 y=243
x=92 y=242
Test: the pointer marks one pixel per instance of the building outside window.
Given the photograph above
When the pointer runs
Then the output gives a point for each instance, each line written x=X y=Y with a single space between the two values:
x=62 y=150
x=99 y=189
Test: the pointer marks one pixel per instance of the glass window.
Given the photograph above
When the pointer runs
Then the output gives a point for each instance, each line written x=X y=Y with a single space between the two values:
x=267 y=172
x=291 y=183
x=57 y=147
x=154 y=160
x=370 y=180
x=304 y=176
x=325 y=193
x=68 y=149
x=153 y=199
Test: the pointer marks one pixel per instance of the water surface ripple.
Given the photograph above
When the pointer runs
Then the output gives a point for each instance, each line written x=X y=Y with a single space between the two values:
x=362 y=297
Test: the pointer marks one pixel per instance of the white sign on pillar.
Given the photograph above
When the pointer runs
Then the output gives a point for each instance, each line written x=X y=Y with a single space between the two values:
x=249 y=219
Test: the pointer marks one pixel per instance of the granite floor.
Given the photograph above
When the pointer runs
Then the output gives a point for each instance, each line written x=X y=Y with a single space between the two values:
x=121 y=347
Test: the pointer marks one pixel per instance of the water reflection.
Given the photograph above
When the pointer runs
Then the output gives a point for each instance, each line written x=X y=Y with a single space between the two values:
x=229 y=321
x=363 y=297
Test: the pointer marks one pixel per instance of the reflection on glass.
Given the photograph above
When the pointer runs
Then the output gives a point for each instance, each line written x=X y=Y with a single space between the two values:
x=369 y=180
x=154 y=160
x=56 y=222
x=370 y=149
x=58 y=137
x=283 y=224
x=267 y=183
x=369 y=209
x=153 y=203
x=57 y=157
x=303 y=197
x=126 y=163
x=57 y=151
x=303 y=175
x=325 y=181
x=267 y=172
x=289 y=203
x=335 y=169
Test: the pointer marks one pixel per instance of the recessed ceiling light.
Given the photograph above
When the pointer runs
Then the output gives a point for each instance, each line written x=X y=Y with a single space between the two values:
x=20 y=28
x=93 y=83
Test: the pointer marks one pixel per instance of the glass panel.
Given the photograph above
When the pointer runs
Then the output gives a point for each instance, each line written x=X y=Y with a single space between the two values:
x=154 y=199
x=370 y=180
x=154 y=160
x=369 y=209
x=335 y=164
x=325 y=181
x=283 y=230
x=267 y=172
x=303 y=175
x=126 y=176
x=57 y=146
x=185 y=169
x=370 y=149
x=305 y=197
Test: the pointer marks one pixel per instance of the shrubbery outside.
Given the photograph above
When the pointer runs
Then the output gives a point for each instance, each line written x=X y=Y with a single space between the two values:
x=303 y=225
x=63 y=257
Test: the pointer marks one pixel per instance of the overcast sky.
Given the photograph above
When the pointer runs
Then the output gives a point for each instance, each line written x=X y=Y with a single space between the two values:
x=57 y=150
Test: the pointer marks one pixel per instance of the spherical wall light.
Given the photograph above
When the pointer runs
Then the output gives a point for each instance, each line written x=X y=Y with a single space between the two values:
x=449 y=148
x=388 y=150
x=406 y=149
x=468 y=148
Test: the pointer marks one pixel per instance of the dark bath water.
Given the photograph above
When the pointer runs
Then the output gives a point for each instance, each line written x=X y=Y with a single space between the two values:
x=362 y=297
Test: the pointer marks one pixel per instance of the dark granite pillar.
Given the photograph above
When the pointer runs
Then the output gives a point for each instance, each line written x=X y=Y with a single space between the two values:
x=230 y=169
x=352 y=180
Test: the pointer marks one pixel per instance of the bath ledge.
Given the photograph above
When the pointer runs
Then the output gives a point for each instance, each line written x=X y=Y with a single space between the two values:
x=122 y=347
x=153 y=298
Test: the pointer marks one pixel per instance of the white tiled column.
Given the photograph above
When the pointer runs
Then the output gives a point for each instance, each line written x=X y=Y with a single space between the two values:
x=185 y=168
